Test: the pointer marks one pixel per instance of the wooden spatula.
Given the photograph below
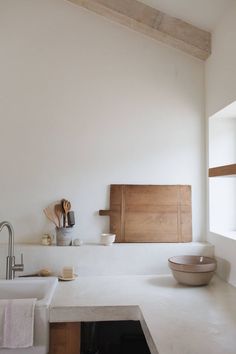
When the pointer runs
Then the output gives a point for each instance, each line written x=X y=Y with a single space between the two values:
x=50 y=214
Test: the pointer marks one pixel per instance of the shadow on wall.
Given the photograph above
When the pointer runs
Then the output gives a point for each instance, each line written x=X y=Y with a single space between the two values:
x=223 y=268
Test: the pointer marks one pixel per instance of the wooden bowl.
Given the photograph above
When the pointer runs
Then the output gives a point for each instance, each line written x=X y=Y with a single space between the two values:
x=192 y=270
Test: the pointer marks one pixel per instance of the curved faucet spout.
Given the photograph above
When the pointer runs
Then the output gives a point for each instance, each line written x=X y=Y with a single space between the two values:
x=11 y=267
x=9 y=226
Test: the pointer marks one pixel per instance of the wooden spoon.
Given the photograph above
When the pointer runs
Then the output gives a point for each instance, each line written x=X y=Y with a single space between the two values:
x=42 y=273
x=58 y=212
x=66 y=206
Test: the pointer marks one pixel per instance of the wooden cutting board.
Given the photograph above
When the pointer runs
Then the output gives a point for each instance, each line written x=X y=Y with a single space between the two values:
x=150 y=213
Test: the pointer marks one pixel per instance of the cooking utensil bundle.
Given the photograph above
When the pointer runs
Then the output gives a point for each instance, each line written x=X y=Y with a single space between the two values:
x=60 y=214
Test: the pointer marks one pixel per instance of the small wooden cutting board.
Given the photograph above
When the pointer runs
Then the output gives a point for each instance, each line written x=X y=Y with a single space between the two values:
x=150 y=213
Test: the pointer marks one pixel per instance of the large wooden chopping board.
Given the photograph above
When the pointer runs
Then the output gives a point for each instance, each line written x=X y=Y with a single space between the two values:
x=150 y=213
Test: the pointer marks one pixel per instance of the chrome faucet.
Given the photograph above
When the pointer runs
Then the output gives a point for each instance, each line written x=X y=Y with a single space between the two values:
x=11 y=267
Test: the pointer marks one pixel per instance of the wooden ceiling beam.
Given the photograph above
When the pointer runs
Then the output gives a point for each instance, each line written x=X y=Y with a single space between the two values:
x=153 y=23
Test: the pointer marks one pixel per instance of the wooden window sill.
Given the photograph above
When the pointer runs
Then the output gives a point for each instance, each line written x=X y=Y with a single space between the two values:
x=220 y=171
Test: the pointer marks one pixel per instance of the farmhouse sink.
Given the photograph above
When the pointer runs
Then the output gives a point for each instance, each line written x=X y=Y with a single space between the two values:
x=42 y=289
x=21 y=288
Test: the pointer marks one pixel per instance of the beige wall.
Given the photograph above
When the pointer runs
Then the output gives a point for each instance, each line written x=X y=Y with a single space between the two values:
x=86 y=103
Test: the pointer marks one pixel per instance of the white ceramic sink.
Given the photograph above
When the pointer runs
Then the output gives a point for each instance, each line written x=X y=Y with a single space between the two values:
x=22 y=288
x=42 y=289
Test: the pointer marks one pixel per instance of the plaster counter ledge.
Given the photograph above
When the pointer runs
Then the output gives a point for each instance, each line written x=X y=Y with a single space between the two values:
x=176 y=319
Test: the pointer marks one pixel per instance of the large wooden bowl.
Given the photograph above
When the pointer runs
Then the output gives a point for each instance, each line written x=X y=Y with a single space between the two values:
x=192 y=270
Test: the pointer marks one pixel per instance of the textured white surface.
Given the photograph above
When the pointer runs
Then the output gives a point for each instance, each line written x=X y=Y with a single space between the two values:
x=178 y=319
x=221 y=91
x=220 y=67
x=85 y=103
x=118 y=259
x=18 y=324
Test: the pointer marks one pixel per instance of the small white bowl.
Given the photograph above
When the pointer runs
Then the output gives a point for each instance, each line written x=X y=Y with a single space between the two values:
x=107 y=239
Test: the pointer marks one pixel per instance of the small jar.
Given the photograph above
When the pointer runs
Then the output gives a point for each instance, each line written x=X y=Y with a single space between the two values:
x=46 y=240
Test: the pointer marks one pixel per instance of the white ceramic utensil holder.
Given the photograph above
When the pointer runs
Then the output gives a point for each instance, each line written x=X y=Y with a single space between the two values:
x=64 y=236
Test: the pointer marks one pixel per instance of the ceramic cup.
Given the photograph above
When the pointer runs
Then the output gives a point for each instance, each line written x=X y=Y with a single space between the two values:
x=107 y=239
x=64 y=236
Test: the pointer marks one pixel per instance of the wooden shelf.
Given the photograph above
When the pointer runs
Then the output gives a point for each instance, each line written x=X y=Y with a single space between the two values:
x=227 y=170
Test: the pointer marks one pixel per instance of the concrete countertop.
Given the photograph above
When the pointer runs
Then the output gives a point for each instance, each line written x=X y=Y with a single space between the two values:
x=175 y=319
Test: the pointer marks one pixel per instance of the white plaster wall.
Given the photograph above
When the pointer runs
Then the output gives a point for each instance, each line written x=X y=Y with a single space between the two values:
x=220 y=91
x=222 y=141
x=222 y=205
x=222 y=191
x=220 y=67
x=84 y=103
x=95 y=259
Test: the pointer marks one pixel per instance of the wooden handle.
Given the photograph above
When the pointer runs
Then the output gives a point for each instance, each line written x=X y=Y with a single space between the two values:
x=105 y=212
x=66 y=206
x=58 y=212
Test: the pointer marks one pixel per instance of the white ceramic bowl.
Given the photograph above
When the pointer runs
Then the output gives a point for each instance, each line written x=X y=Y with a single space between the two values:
x=107 y=239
